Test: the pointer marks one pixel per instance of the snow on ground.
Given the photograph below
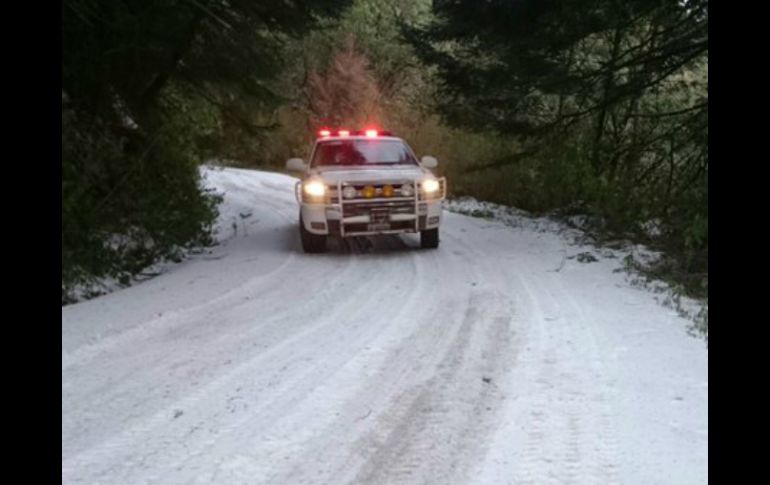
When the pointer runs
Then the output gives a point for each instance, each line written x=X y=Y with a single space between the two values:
x=638 y=255
x=500 y=358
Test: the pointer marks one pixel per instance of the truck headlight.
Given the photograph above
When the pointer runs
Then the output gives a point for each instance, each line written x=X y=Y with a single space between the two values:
x=430 y=186
x=314 y=188
x=407 y=190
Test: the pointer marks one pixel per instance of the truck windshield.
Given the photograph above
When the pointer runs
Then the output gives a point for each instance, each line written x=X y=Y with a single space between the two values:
x=362 y=152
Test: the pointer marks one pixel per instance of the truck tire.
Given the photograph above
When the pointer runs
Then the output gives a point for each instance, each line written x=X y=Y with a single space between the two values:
x=311 y=243
x=429 y=238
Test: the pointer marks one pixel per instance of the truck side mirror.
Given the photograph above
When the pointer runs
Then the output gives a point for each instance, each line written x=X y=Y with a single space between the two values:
x=429 y=162
x=296 y=165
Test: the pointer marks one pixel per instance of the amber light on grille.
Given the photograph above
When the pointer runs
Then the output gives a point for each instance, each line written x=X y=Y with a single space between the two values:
x=368 y=191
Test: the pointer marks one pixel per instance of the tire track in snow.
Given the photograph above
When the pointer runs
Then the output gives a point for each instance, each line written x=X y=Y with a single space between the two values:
x=400 y=353
x=145 y=330
x=292 y=438
x=203 y=322
x=574 y=439
x=197 y=399
x=226 y=326
x=435 y=429
x=559 y=446
x=328 y=291
x=598 y=433
x=268 y=423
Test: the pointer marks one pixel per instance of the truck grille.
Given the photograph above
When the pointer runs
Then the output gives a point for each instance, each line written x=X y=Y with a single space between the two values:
x=350 y=209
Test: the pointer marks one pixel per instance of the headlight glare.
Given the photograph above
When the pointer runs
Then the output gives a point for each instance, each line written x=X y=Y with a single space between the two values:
x=430 y=186
x=314 y=188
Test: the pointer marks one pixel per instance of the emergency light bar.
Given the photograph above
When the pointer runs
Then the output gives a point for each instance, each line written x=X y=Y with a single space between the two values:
x=369 y=133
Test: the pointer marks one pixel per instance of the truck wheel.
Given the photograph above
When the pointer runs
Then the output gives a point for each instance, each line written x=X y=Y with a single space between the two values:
x=429 y=238
x=311 y=243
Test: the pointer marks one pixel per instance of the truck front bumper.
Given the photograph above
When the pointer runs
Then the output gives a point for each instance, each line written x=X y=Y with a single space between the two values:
x=366 y=217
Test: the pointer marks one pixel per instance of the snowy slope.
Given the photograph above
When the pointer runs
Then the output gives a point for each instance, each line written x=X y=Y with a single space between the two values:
x=495 y=359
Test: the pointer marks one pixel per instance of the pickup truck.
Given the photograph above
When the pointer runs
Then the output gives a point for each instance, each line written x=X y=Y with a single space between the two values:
x=366 y=183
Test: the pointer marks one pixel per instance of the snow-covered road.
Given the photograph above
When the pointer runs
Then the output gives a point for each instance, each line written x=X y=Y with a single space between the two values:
x=495 y=359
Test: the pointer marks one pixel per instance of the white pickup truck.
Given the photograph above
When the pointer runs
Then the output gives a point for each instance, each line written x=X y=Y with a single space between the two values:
x=366 y=183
